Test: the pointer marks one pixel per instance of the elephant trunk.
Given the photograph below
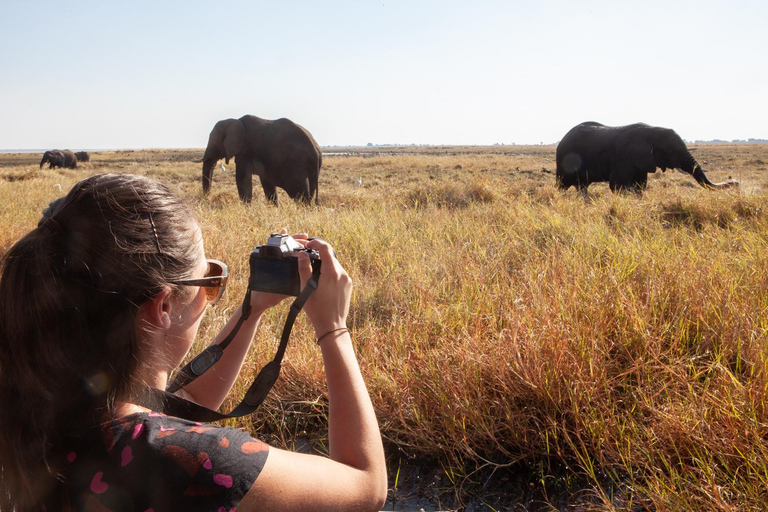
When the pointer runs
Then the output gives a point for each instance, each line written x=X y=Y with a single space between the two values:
x=691 y=166
x=701 y=178
x=208 y=166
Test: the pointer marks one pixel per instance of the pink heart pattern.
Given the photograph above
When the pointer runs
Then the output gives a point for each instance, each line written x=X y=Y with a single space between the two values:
x=97 y=486
x=134 y=444
x=126 y=456
x=223 y=480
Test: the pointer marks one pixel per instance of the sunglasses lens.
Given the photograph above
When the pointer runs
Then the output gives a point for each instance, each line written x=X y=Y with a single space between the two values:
x=212 y=293
x=216 y=269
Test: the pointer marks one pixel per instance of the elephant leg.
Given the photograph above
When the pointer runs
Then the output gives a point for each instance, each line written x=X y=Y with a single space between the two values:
x=581 y=188
x=306 y=192
x=299 y=190
x=244 y=180
x=270 y=191
x=626 y=188
x=621 y=178
x=627 y=177
x=641 y=182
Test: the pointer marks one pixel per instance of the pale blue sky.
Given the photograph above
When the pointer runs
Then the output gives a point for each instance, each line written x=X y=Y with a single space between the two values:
x=153 y=74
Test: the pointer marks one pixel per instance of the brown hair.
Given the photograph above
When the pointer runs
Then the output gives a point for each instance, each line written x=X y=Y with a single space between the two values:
x=69 y=293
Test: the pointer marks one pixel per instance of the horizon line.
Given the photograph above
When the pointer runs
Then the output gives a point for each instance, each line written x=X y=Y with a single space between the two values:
x=750 y=140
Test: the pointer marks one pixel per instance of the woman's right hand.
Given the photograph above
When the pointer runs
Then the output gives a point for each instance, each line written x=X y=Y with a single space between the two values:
x=328 y=306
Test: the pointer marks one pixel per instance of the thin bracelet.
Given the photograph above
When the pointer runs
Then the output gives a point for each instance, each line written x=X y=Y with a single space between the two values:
x=331 y=332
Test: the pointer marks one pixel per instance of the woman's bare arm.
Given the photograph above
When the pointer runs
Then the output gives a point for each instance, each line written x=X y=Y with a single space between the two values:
x=212 y=387
x=355 y=476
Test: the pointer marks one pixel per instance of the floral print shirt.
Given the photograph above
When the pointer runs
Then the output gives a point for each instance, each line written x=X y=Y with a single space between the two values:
x=150 y=462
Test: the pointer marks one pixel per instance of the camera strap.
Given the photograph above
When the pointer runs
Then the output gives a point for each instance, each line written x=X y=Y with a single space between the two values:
x=169 y=403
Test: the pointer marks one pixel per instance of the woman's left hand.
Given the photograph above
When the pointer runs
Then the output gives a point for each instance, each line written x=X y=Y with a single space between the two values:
x=262 y=301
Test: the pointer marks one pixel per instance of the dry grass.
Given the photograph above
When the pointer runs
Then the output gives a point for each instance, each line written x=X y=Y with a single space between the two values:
x=499 y=321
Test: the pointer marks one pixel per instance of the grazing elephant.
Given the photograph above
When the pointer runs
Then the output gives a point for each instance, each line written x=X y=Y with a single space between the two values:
x=282 y=153
x=83 y=156
x=623 y=156
x=59 y=158
x=54 y=158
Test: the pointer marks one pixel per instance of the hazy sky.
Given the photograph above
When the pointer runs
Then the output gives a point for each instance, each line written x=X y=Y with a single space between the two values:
x=159 y=74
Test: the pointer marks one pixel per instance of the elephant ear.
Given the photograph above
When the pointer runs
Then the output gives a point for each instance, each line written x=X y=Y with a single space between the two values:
x=234 y=136
x=670 y=151
x=636 y=150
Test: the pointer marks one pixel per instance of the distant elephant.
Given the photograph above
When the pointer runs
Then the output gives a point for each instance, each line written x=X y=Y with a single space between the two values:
x=83 y=156
x=282 y=153
x=54 y=158
x=59 y=158
x=623 y=156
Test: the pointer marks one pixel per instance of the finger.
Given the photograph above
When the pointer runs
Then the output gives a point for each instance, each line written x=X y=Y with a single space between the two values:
x=305 y=269
x=265 y=300
x=325 y=250
x=283 y=231
x=330 y=263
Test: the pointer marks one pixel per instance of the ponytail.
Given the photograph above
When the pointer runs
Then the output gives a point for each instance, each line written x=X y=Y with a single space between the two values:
x=69 y=293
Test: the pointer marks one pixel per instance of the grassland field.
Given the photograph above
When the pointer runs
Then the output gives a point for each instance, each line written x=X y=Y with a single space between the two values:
x=524 y=349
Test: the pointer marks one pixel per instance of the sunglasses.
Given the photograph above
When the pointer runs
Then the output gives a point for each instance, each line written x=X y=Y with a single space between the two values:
x=213 y=283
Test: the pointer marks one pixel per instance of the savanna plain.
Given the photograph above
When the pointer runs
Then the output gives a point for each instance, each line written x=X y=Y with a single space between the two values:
x=524 y=349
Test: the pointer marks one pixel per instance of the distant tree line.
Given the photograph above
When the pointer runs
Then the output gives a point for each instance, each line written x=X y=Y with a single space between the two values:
x=734 y=141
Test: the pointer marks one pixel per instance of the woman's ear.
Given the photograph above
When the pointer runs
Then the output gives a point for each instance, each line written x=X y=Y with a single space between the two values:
x=156 y=310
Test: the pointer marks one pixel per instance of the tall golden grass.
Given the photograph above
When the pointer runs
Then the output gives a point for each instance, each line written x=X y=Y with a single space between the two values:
x=501 y=322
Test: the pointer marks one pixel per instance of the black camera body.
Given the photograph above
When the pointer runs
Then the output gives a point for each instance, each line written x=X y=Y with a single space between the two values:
x=275 y=265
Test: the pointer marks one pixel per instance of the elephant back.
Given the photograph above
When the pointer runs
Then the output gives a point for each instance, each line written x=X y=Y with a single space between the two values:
x=295 y=141
x=70 y=160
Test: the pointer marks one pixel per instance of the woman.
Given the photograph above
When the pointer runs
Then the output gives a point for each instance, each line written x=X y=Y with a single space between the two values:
x=102 y=299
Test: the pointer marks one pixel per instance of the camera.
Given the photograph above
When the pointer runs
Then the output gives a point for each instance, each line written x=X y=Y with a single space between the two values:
x=275 y=265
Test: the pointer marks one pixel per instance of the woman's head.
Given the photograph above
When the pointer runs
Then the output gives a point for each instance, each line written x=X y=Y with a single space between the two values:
x=69 y=293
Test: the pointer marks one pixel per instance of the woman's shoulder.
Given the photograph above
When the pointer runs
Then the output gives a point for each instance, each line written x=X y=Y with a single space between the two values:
x=160 y=430
x=157 y=458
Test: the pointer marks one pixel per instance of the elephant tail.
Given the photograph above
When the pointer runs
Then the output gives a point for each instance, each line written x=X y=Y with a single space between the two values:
x=314 y=190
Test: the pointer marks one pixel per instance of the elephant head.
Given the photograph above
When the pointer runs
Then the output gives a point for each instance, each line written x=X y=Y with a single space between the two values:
x=669 y=151
x=54 y=158
x=225 y=141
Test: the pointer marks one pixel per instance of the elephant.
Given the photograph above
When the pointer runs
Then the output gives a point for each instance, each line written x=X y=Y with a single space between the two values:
x=83 y=156
x=54 y=158
x=282 y=153
x=623 y=156
x=59 y=158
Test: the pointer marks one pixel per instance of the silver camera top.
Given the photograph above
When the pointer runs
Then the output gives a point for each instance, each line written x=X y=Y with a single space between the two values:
x=286 y=243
